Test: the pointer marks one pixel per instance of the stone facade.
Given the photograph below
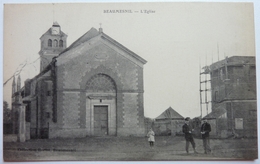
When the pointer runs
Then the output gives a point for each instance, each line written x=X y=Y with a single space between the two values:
x=92 y=88
x=233 y=78
x=234 y=109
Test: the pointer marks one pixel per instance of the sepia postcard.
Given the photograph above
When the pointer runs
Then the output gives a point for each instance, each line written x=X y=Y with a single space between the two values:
x=129 y=81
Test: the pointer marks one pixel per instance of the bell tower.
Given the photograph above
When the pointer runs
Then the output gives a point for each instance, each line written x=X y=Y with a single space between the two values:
x=53 y=42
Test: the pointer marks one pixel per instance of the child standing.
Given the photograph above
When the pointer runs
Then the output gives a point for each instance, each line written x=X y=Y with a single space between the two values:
x=150 y=136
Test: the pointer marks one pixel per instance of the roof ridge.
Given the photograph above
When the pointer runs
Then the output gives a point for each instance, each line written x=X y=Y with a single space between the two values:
x=105 y=36
x=85 y=37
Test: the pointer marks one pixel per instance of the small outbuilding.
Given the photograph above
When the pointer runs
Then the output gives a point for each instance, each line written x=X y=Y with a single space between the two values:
x=168 y=123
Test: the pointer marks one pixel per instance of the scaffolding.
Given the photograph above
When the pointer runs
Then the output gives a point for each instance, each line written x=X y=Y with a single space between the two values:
x=206 y=90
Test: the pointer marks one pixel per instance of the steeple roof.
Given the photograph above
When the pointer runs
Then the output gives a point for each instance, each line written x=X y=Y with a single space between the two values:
x=56 y=24
x=48 y=32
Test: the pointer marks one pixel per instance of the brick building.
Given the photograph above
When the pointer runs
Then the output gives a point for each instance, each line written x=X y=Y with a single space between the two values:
x=94 y=87
x=233 y=94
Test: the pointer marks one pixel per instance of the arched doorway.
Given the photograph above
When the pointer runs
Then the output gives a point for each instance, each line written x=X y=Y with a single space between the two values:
x=101 y=105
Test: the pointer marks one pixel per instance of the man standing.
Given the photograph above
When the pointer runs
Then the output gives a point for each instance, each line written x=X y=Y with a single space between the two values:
x=205 y=129
x=186 y=129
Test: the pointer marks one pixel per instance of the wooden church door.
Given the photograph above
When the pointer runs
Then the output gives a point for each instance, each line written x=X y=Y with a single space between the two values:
x=100 y=120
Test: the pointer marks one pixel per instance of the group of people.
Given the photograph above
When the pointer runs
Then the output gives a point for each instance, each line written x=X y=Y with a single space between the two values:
x=204 y=130
x=187 y=130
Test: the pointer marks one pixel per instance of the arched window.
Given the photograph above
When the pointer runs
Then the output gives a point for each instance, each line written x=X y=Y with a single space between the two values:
x=61 y=43
x=49 y=43
x=101 y=83
x=55 y=43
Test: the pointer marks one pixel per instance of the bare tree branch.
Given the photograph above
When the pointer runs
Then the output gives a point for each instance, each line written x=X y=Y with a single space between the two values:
x=8 y=80
x=17 y=72
x=19 y=69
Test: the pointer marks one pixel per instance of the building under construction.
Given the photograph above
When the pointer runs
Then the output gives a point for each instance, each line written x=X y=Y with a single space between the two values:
x=230 y=91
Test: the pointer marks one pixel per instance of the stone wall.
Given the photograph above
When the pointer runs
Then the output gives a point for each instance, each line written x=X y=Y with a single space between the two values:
x=235 y=80
x=77 y=66
x=247 y=111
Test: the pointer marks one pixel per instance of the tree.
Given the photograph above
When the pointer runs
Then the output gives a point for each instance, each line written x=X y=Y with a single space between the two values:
x=7 y=113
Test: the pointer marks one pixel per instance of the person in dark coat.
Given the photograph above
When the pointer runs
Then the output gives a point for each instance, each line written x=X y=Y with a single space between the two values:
x=205 y=129
x=187 y=130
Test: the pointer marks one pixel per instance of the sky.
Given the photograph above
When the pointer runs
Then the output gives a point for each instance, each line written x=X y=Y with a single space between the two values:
x=175 y=39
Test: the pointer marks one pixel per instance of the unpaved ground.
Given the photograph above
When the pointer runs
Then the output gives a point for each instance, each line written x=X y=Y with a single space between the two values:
x=126 y=149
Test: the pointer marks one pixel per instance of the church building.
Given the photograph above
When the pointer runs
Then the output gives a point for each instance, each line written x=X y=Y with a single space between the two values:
x=94 y=87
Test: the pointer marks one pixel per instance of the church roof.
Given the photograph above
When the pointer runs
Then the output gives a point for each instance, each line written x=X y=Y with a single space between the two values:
x=169 y=114
x=87 y=36
x=94 y=33
x=106 y=37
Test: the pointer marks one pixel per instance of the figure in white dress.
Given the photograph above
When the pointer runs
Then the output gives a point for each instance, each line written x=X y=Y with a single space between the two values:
x=151 y=138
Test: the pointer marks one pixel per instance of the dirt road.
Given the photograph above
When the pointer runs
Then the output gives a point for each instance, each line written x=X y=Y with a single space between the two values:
x=126 y=149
